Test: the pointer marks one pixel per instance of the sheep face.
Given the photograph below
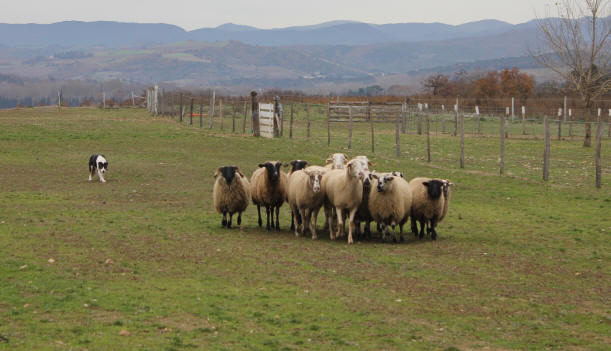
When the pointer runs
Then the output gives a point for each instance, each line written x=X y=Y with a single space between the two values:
x=314 y=178
x=355 y=169
x=338 y=160
x=397 y=174
x=384 y=181
x=446 y=186
x=273 y=170
x=366 y=162
x=297 y=165
x=367 y=179
x=434 y=188
x=228 y=173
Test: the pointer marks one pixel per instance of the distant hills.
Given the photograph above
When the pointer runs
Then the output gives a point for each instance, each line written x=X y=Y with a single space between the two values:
x=116 y=34
x=323 y=57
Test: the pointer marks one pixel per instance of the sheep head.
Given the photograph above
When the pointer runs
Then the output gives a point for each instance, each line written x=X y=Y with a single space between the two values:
x=434 y=188
x=385 y=181
x=273 y=170
x=228 y=173
x=297 y=165
x=315 y=178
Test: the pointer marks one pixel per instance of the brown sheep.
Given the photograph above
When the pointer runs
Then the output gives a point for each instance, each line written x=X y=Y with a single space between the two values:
x=268 y=188
x=428 y=203
x=231 y=193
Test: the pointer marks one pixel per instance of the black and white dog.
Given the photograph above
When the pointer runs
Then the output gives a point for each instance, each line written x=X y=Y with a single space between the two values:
x=100 y=164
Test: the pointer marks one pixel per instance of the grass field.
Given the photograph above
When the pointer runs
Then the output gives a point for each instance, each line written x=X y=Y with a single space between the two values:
x=142 y=263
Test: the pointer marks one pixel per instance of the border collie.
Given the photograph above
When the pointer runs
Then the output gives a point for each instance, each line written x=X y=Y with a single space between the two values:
x=100 y=164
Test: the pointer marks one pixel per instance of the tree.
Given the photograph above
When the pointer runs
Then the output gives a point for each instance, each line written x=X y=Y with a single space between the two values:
x=576 y=47
x=515 y=83
x=439 y=85
x=488 y=86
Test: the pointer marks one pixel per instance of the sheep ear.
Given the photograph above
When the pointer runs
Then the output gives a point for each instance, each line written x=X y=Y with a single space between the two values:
x=237 y=169
x=261 y=164
x=293 y=162
x=345 y=157
x=375 y=176
x=218 y=171
x=370 y=164
x=329 y=160
x=426 y=184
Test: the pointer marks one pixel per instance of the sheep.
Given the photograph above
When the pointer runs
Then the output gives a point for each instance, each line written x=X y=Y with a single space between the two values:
x=343 y=190
x=305 y=197
x=336 y=161
x=231 y=193
x=268 y=188
x=295 y=166
x=362 y=213
x=390 y=202
x=447 y=194
x=428 y=202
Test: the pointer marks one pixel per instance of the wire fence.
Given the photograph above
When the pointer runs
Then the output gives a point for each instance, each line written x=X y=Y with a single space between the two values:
x=532 y=147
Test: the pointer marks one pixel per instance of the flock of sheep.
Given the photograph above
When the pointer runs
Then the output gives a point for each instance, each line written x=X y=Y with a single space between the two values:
x=346 y=189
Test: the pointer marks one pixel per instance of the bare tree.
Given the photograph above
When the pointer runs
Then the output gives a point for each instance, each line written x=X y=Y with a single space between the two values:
x=575 y=45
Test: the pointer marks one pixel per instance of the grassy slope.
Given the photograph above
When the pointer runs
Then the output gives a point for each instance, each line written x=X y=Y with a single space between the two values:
x=519 y=264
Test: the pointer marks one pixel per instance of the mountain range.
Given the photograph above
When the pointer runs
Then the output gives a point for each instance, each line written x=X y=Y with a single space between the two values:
x=331 y=55
x=117 y=34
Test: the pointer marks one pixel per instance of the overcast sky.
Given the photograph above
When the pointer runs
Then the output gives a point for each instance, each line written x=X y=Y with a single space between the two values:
x=192 y=14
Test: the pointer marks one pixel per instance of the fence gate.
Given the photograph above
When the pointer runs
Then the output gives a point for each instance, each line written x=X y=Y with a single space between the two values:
x=266 y=120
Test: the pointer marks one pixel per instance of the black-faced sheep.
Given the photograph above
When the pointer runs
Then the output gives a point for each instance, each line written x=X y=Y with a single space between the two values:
x=428 y=202
x=306 y=198
x=343 y=192
x=268 y=189
x=390 y=202
x=231 y=193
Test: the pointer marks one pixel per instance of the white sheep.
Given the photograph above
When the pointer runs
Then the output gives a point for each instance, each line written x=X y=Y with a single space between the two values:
x=306 y=198
x=268 y=188
x=343 y=190
x=390 y=202
x=336 y=161
x=428 y=202
x=231 y=193
x=447 y=194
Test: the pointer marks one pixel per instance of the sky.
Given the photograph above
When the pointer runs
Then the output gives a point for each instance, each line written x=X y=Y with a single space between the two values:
x=193 y=14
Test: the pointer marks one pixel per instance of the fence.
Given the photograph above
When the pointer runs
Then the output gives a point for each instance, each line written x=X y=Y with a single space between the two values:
x=418 y=131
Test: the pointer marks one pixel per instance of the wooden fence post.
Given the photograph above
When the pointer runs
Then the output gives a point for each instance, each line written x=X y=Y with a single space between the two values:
x=201 y=111
x=255 y=113
x=397 y=136
x=559 y=129
x=221 y=112
x=443 y=123
x=244 y=121
x=456 y=118
x=371 y=124
x=350 y=127
x=546 y=151
x=291 y=124
x=211 y=112
x=233 y=111
x=462 y=141
x=404 y=117
x=599 y=137
x=506 y=122
x=328 y=123
x=428 y=139
x=191 y=114
x=419 y=123
x=307 y=108
x=523 y=120
x=570 y=123
x=502 y=137
x=181 y=108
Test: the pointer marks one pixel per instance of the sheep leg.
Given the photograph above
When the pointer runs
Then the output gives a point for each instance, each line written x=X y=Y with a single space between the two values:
x=367 y=229
x=278 y=218
x=298 y=229
x=306 y=218
x=382 y=227
x=224 y=221
x=240 y=218
x=267 y=217
x=401 y=238
x=229 y=222
x=433 y=231
x=414 y=227
x=313 y=224
x=351 y=225
x=422 y=226
x=340 y=222
x=327 y=215
x=259 y=213
x=357 y=229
